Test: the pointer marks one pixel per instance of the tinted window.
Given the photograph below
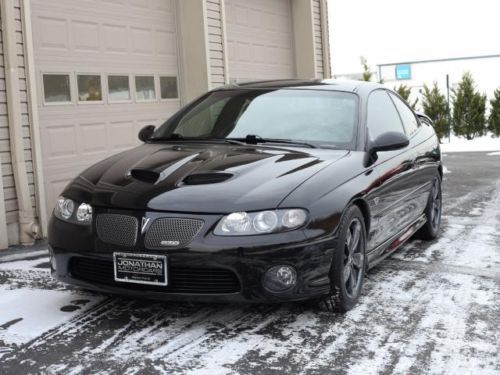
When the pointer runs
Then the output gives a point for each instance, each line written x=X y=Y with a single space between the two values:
x=409 y=120
x=382 y=115
x=118 y=88
x=89 y=88
x=307 y=115
x=56 y=88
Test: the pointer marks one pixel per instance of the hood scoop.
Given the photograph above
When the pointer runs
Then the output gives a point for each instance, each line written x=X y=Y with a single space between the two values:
x=202 y=178
x=145 y=175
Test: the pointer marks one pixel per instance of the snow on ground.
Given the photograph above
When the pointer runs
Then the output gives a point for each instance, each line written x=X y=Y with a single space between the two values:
x=432 y=308
x=479 y=144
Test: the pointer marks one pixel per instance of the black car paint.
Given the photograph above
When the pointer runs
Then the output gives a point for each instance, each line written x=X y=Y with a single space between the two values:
x=392 y=193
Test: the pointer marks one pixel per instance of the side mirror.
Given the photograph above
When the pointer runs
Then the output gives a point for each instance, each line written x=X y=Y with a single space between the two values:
x=389 y=141
x=146 y=132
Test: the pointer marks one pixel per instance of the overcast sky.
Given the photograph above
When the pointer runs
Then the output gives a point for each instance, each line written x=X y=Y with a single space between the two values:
x=387 y=31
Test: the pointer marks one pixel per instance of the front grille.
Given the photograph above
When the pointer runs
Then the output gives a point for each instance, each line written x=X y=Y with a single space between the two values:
x=120 y=230
x=172 y=232
x=180 y=279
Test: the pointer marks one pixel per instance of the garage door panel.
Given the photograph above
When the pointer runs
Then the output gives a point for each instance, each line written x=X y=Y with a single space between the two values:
x=259 y=36
x=123 y=37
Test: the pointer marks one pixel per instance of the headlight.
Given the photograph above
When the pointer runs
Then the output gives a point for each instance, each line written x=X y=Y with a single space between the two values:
x=65 y=211
x=252 y=223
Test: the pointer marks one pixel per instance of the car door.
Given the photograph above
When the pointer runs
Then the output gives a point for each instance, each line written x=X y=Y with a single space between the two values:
x=422 y=144
x=390 y=203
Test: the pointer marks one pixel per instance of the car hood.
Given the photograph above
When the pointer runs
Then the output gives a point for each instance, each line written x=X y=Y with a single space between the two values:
x=204 y=178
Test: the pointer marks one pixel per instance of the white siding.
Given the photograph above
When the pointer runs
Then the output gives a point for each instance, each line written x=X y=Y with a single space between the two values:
x=318 y=38
x=11 y=206
x=216 y=45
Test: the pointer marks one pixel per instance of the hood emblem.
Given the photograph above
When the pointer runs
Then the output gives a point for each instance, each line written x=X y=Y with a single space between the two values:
x=144 y=224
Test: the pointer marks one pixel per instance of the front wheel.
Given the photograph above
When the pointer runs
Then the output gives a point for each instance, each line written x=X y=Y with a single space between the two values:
x=349 y=262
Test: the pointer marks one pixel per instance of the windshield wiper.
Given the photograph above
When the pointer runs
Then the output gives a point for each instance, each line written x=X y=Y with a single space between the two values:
x=252 y=139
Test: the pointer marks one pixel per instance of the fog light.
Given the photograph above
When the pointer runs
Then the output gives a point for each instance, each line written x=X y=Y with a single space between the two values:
x=280 y=278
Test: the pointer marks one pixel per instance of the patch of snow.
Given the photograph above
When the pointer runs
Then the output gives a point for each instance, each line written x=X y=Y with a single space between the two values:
x=494 y=153
x=28 y=313
x=479 y=144
x=446 y=170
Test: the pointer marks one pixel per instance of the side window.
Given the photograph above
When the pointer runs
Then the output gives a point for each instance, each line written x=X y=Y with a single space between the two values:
x=409 y=120
x=382 y=116
x=89 y=88
x=118 y=88
x=56 y=88
x=145 y=88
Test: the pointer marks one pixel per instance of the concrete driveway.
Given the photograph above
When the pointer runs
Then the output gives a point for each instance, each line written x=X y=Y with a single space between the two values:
x=432 y=308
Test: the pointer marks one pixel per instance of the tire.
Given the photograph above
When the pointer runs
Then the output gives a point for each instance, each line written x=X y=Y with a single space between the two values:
x=343 y=293
x=430 y=230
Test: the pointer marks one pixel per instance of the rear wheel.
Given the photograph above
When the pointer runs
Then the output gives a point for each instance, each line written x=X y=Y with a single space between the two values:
x=430 y=229
x=348 y=265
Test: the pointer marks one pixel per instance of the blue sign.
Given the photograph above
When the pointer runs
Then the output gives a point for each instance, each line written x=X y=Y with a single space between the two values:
x=403 y=71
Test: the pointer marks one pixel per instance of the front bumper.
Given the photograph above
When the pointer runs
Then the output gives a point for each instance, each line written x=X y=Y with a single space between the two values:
x=240 y=262
x=312 y=263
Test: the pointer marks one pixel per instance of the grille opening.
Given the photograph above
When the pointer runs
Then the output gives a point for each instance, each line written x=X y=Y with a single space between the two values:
x=180 y=279
x=145 y=175
x=206 y=178
x=116 y=229
x=176 y=230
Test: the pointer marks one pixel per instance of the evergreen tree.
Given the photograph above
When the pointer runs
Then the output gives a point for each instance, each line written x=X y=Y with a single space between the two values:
x=367 y=74
x=405 y=91
x=494 y=119
x=469 y=108
x=435 y=106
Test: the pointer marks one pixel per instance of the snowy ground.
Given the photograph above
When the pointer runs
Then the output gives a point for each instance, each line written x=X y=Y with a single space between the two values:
x=479 y=144
x=433 y=308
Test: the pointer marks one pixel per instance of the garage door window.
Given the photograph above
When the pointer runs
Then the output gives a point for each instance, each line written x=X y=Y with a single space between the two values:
x=89 y=88
x=118 y=88
x=145 y=88
x=56 y=88
x=168 y=88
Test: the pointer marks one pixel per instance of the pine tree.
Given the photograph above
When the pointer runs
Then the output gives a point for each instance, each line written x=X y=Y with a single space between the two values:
x=494 y=118
x=435 y=106
x=405 y=91
x=469 y=108
x=367 y=74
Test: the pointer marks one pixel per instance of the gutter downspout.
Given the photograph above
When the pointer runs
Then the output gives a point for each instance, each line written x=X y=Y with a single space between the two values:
x=325 y=38
x=4 y=241
x=27 y=225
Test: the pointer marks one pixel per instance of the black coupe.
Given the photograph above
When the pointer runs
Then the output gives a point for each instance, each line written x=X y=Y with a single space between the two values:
x=268 y=191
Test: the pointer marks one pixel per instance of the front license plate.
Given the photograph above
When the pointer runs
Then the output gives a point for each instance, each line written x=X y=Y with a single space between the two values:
x=140 y=268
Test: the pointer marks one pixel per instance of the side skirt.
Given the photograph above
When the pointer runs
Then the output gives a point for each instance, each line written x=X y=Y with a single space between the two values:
x=394 y=243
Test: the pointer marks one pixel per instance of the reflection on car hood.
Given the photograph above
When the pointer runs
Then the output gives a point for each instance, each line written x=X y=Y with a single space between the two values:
x=199 y=177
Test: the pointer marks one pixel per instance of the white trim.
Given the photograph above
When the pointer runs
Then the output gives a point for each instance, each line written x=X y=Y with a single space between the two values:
x=225 y=54
x=325 y=39
x=4 y=239
x=36 y=146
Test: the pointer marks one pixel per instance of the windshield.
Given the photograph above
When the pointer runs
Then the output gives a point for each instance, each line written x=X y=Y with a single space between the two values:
x=323 y=117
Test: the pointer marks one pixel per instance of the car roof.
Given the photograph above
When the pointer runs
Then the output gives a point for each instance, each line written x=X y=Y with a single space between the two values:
x=316 y=84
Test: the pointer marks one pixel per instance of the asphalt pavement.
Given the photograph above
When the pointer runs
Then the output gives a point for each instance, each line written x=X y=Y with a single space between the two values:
x=432 y=308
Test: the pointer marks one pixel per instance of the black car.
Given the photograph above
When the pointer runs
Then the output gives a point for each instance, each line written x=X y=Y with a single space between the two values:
x=267 y=192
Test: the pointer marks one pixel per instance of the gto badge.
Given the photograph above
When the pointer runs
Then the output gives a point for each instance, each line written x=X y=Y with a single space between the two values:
x=169 y=243
x=144 y=225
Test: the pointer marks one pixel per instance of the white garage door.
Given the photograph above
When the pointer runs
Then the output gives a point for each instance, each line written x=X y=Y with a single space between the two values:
x=105 y=68
x=260 y=40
